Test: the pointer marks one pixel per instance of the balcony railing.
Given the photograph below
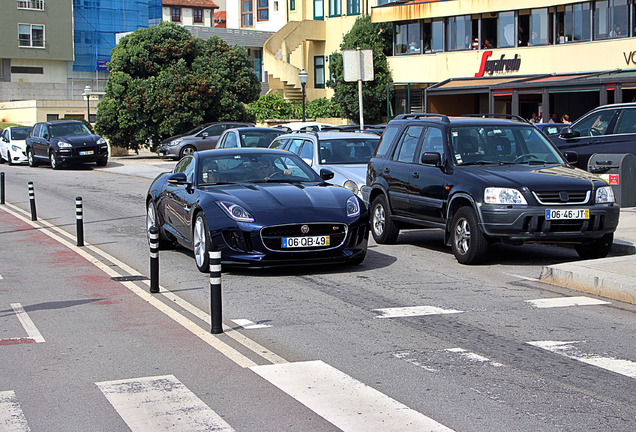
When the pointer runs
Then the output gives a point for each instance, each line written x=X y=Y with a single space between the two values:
x=31 y=4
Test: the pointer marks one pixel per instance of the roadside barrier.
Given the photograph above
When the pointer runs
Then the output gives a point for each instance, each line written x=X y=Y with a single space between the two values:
x=215 y=293
x=1 y=187
x=154 y=259
x=79 y=217
x=34 y=214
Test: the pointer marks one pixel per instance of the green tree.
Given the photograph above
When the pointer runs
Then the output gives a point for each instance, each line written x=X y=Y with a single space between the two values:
x=164 y=81
x=365 y=35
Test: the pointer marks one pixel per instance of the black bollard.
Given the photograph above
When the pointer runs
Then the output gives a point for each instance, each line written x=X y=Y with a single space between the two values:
x=154 y=259
x=215 y=293
x=79 y=217
x=34 y=214
x=1 y=187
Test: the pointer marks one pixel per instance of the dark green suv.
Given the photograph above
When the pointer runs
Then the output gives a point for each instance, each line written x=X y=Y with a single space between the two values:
x=484 y=179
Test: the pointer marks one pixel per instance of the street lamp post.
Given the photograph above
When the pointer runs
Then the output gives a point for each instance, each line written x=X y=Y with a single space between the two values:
x=302 y=76
x=87 y=93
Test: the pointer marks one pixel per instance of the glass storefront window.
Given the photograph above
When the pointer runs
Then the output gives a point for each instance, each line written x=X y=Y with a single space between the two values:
x=577 y=22
x=407 y=38
x=459 y=33
x=610 y=19
x=539 y=27
x=506 y=30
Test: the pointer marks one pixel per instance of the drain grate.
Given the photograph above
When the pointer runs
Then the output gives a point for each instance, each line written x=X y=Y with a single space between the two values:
x=129 y=278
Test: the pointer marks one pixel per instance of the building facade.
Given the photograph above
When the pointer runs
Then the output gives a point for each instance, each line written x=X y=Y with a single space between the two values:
x=189 y=12
x=543 y=56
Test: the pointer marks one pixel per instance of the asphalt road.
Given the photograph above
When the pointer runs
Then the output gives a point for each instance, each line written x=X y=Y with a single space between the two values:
x=480 y=352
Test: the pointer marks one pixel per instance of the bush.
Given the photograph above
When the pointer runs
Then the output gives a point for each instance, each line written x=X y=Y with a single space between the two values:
x=274 y=106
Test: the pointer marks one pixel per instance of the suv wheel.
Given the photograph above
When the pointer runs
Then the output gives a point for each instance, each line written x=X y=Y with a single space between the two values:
x=32 y=161
x=383 y=229
x=468 y=242
x=55 y=163
x=597 y=249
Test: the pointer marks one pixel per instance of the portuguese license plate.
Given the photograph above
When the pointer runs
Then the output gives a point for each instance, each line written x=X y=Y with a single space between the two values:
x=86 y=153
x=554 y=214
x=309 y=241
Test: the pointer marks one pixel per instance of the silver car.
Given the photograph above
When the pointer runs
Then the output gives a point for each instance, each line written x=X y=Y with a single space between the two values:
x=202 y=137
x=344 y=153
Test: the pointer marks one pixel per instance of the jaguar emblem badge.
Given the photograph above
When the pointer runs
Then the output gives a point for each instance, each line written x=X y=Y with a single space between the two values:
x=304 y=229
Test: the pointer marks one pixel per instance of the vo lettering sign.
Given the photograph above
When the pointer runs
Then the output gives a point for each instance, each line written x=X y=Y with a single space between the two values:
x=630 y=57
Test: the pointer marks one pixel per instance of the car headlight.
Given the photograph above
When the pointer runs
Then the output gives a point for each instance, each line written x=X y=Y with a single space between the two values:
x=64 y=144
x=101 y=141
x=175 y=142
x=236 y=212
x=15 y=148
x=604 y=195
x=351 y=185
x=353 y=207
x=493 y=195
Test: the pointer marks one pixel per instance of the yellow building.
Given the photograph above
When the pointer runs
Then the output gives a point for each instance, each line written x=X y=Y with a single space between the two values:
x=314 y=30
x=515 y=57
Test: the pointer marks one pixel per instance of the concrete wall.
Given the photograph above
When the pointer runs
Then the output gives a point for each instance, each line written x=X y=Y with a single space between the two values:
x=29 y=112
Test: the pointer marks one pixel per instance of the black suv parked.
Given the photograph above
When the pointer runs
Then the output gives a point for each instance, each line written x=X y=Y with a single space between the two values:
x=483 y=179
x=606 y=129
x=65 y=141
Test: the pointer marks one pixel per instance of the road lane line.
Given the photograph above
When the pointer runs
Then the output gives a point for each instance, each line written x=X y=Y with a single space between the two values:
x=25 y=320
x=11 y=416
x=566 y=302
x=473 y=357
x=347 y=403
x=161 y=403
x=568 y=349
x=411 y=311
x=228 y=331
x=249 y=325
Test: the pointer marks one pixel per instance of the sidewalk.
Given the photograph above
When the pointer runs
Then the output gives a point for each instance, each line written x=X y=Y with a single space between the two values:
x=613 y=277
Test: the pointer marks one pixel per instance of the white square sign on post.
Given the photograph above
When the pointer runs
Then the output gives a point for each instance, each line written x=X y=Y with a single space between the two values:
x=358 y=66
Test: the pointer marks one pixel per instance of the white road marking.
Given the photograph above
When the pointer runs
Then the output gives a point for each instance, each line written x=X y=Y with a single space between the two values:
x=343 y=401
x=11 y=416
x=405 y=356
x=32 y=331
x=412 y=311
x=249 y=325
x=0 y=277
x=567 y=349
x=523 y=277
x=473 y=357
x=160 y=403
x=565 y=302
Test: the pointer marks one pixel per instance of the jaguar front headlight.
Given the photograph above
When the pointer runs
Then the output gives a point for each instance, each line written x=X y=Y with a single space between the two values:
x=236 y=212
x=604 y=195
x=352 y=206
x=493 y=195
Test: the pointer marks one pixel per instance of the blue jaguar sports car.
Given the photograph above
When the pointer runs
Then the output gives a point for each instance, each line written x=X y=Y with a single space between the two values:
x=259 y=208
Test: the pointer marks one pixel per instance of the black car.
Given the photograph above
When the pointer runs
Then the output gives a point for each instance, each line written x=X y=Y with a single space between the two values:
x=203 y=137
x=63 y=142
x=259 y=208
x=606 y=129
x=483 y=180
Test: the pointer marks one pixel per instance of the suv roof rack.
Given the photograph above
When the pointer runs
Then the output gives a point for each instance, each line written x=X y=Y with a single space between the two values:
x=504 y=116
x=422 y=116
x=305 y=131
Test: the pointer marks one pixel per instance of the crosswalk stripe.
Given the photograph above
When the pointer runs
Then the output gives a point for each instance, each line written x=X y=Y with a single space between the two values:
x=343 y=401
x=160 y=403
x=411 y=311
x=565 y=302
x=568 y=349
x=11 y=416
x=29 y=327
x=249 y=325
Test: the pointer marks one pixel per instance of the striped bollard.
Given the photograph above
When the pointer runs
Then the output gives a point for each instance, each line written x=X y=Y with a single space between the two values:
x=215 y=293
x=79 y=217
x=34 y=214
x=1 y=187
x=154 y=259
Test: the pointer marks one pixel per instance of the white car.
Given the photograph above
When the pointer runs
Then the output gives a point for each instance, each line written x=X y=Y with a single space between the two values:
x=13 y=144
x=304 y=126
x=345 y=153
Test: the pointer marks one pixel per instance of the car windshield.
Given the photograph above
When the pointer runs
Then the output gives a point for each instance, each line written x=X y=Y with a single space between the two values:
x=67 y=129
x=502 y=145
x=19 y=133
x=258 y=138
x=347 y=150
x=253 y=168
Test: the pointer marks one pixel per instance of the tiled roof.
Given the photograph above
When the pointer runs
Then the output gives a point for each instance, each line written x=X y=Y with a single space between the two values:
x=220 y=15
x=191 y=3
